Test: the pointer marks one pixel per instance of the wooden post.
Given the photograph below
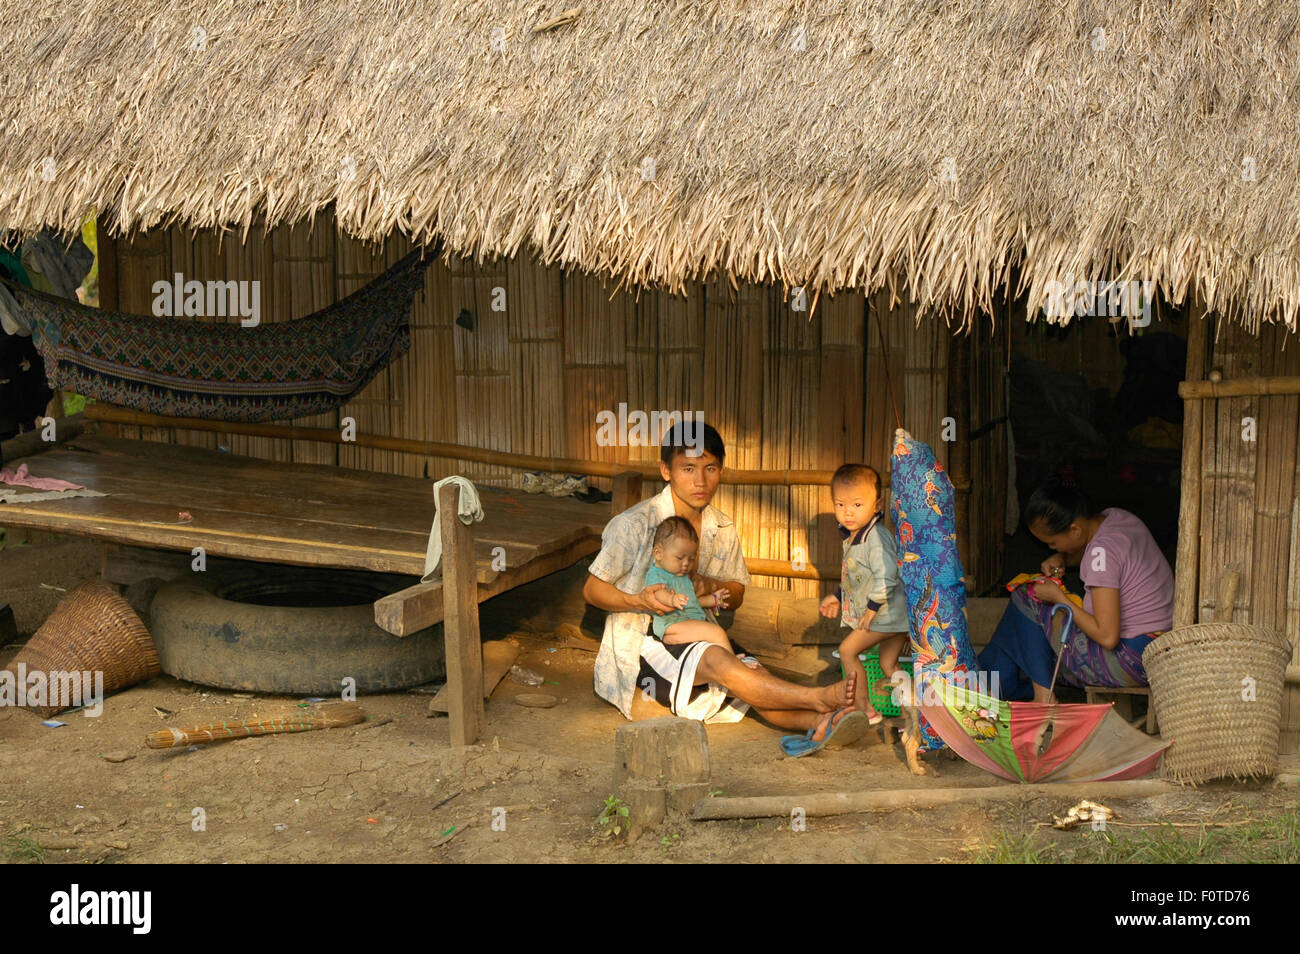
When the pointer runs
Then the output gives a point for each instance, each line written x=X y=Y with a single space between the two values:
x=626 y=493
x=460 y=623
x=1189 y=508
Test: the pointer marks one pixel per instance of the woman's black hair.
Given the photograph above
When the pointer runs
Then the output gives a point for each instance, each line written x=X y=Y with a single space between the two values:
x=1057 y=504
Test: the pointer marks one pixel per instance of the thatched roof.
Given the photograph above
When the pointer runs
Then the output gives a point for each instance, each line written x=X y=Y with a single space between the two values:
x=813 y=158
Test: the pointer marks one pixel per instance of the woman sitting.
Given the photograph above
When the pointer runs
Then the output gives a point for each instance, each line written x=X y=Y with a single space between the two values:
x=1129 y=601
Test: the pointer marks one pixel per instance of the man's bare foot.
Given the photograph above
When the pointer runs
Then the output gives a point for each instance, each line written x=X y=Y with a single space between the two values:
x=827 y=721
x=840 y=695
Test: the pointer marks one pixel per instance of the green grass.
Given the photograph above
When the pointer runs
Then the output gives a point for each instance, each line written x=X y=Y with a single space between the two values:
x=1274 y=840
x=20 y=850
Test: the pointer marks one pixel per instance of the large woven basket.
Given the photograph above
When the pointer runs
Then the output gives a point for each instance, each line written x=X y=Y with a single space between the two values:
x=1217 y=689
x=93 y=629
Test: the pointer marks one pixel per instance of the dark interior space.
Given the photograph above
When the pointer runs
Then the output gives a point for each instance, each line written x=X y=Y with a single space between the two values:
x=1096 y=402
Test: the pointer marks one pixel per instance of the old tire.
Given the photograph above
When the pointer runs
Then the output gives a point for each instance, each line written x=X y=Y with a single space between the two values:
x=288 y=630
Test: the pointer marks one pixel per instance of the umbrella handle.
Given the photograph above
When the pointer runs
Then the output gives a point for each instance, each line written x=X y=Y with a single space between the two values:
x=1065 y=638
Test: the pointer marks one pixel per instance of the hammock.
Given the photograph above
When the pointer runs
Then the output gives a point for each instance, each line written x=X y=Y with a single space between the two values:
x=184 y=368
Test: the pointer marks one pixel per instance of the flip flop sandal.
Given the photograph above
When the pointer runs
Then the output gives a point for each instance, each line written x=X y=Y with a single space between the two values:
x=852 y=725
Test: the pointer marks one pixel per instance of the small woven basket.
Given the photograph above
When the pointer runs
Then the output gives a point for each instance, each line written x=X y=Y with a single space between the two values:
x=93 y=629
x=1217 y=689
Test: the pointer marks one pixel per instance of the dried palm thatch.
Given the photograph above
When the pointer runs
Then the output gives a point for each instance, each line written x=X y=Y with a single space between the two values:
x=922 y=147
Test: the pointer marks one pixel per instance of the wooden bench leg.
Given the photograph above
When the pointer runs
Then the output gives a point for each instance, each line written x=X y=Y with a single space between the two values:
x=460 y=624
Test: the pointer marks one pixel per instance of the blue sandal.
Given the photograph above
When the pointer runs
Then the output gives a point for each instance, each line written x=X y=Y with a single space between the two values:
x=852 y=725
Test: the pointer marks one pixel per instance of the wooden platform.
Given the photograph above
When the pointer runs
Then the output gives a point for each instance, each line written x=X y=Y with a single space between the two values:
x=314 y=515
x=303 y=514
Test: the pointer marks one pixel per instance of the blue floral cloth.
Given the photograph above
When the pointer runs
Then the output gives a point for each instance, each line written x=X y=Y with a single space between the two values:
x=930 y=568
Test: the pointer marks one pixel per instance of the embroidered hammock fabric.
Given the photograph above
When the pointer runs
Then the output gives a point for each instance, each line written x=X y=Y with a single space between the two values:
x=186 y=368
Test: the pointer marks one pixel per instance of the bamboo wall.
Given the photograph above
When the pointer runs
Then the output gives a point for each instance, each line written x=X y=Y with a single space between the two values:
x=784 y=390
x=1250 y=495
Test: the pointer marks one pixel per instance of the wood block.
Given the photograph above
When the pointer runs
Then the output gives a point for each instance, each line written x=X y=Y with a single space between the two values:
x=498 y=657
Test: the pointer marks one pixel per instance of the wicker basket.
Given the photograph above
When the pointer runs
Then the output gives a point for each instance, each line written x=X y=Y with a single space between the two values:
x=92 y=629
x=1217 y=689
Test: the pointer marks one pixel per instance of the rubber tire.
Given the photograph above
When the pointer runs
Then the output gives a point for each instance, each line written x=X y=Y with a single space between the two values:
x=205 y=638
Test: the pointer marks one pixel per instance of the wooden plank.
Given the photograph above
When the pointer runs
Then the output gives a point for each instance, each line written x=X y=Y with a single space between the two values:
x=412 y=609
x=460 y=624
x=498 y=656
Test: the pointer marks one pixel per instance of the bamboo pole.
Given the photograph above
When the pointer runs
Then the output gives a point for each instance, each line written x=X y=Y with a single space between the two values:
x=888 y=800
x=1241 y=387
x=784 y=569
x=100 y=412
x=1189 y=511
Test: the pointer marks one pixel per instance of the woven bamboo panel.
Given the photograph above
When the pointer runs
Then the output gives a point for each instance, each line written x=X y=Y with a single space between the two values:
x=357 y=265
x=302 y=280
x=1228 y=482
x=987 y=343
x=643 y=342
x=885 y=329
x=425 y=380
x=809 y=505
x=535 y=322
x=483 y=378
x=840 y=431
x=1274 y=485
x=780 y=388
x=595 y=320
x=733 y=395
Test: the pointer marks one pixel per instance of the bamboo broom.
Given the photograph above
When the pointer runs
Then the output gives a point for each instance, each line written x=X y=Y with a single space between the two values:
x=325 y=717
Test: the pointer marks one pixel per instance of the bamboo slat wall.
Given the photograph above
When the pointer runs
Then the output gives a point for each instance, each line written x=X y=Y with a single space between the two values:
x=988 y=430
x=1250 y=496
x=783 y=389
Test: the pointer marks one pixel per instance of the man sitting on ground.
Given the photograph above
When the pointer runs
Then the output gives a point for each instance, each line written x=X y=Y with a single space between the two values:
x=697 y=680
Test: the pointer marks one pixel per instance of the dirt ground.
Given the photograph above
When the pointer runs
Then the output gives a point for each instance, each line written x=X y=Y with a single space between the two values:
x=398 y=792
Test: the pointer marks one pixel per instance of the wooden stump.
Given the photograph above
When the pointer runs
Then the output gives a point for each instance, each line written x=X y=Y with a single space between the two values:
x=660 y=765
